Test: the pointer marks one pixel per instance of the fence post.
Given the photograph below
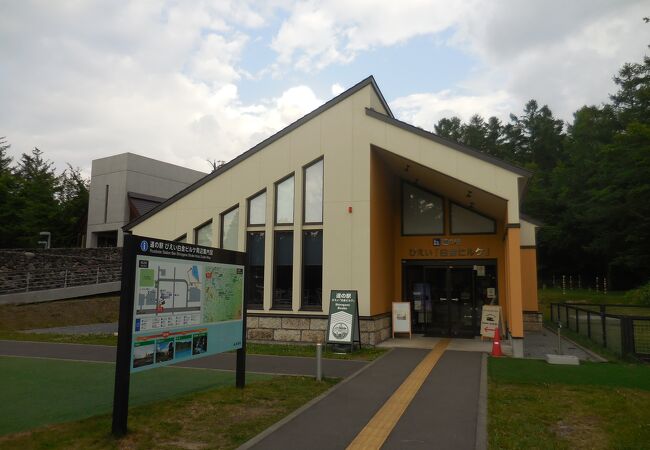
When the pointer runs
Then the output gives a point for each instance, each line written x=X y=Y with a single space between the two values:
x=577 y=320
x=605 y=286
x=596 y=285
x=563 y=284
x=627 y=336
x=603 y=323
x=566 y=307
x=570 y=282
x=552 y=315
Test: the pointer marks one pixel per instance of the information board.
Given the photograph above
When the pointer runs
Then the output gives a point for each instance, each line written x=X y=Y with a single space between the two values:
x=186 y=305
x=343 y=323
x=178 y=302
x=490 y=317
x=402 y=318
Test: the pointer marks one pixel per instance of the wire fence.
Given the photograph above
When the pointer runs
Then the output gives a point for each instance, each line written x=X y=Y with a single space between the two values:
x=624 y=329
x=12 y=282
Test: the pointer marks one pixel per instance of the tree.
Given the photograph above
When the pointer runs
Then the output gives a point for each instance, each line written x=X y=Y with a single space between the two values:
x=73 y=207
x=36 y=193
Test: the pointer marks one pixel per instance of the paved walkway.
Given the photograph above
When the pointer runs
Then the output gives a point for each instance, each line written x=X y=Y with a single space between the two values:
x=408 y=399
x=283 y=365
x=95 y=328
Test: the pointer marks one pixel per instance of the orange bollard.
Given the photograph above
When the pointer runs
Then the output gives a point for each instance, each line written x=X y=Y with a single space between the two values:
x=496 y=344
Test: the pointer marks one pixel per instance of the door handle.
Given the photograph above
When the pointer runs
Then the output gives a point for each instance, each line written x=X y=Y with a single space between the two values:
x=454 y=299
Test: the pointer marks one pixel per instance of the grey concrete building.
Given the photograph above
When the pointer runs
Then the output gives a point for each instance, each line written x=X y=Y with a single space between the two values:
x=125 y=186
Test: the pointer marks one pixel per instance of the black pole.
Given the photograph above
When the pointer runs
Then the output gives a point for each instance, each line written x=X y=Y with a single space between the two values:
x=125 y=331
x=240 y=371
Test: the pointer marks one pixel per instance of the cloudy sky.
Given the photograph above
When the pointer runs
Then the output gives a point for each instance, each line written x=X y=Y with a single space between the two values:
x=183 y=81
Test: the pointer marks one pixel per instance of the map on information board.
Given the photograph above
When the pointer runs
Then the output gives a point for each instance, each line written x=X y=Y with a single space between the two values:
x=184 y=308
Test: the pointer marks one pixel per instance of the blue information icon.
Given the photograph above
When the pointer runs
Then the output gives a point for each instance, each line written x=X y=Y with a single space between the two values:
x=144 y=246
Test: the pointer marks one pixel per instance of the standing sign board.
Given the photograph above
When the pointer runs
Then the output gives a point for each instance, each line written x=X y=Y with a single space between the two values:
x=401 y=318
x=490 y=320
x=343 y=323
x=179 y=302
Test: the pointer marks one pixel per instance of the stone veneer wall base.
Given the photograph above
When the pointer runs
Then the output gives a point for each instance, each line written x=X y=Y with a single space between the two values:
x=304 y=330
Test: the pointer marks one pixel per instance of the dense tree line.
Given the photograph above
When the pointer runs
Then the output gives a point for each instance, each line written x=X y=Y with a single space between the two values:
x=34 y=199
x=591 y=183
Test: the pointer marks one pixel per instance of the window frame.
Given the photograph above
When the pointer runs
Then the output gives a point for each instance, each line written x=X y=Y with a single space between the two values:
x=275 y=200
x=221 y=217
x=248 y=208
x=304 y=191
x=428 y=191
x=260 y=306
x=451 y=224
x=196 y=232
x=182 y=238
x=274 y=305
x=304 y=307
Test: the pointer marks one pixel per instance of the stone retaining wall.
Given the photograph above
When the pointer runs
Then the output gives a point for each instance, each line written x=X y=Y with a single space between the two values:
x=310 y=329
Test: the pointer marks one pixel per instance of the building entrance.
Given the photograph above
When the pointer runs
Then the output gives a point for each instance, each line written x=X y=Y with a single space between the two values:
x=447 y=296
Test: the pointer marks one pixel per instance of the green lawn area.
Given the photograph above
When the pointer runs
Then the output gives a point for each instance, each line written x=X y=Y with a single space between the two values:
x=592 y=406
x=37 y=392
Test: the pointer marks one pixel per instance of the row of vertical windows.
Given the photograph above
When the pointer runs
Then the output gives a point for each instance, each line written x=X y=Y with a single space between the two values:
x=312 y=241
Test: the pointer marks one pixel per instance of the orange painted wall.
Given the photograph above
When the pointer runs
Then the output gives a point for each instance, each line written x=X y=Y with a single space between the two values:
x=383 y=188
x=514 y=292
x=529 y=279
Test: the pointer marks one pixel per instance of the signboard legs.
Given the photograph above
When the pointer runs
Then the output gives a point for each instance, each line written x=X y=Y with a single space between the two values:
x=124 y=336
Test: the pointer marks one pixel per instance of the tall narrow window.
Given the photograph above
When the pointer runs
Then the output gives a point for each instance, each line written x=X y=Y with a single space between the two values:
x=230 y=229
x=106 y=205
x=284 y=201
x=312 y=269
x=203 y=234
x=255 y=251
x=313 y=198
x=283 y=270
x=257 y=209
x=422 y=211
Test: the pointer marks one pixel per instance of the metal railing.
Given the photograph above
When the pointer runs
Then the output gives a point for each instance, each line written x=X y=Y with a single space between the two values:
x=37 y=280
x=623 y=334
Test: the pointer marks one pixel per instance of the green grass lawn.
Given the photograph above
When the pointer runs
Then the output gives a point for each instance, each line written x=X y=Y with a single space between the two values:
x=201 y=408
x=37 y=392
x=592 y=406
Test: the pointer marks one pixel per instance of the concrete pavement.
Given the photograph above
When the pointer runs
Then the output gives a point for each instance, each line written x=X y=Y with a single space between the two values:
x=281 y=365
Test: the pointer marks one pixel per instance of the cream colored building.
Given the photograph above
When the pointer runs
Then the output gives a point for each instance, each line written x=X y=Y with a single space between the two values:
x=348 y=197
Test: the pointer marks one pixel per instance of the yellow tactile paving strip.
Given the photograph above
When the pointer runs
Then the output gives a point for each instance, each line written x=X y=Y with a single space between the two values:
x=375 y=433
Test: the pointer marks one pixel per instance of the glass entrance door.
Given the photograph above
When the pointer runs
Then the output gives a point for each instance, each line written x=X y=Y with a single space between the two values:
x=446 y=299
x=461 y=301
x=437 y=279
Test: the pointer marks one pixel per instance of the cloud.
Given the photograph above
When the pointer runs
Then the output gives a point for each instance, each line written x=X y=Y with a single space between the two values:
x=88 y=80
x=424 y=110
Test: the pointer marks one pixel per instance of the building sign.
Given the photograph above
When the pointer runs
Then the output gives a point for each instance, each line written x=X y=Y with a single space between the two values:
x=188 y=303
x=490 y=320
x=343 y=323
x=437 y=252
x=401 y=318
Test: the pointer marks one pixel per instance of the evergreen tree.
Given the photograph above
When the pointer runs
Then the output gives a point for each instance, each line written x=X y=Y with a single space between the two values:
x=37 y=188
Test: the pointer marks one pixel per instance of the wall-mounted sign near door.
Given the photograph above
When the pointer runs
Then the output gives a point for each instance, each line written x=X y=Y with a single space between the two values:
x=343 y=323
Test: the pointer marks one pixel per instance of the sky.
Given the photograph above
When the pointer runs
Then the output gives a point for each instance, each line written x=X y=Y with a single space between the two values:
x=188 y=81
